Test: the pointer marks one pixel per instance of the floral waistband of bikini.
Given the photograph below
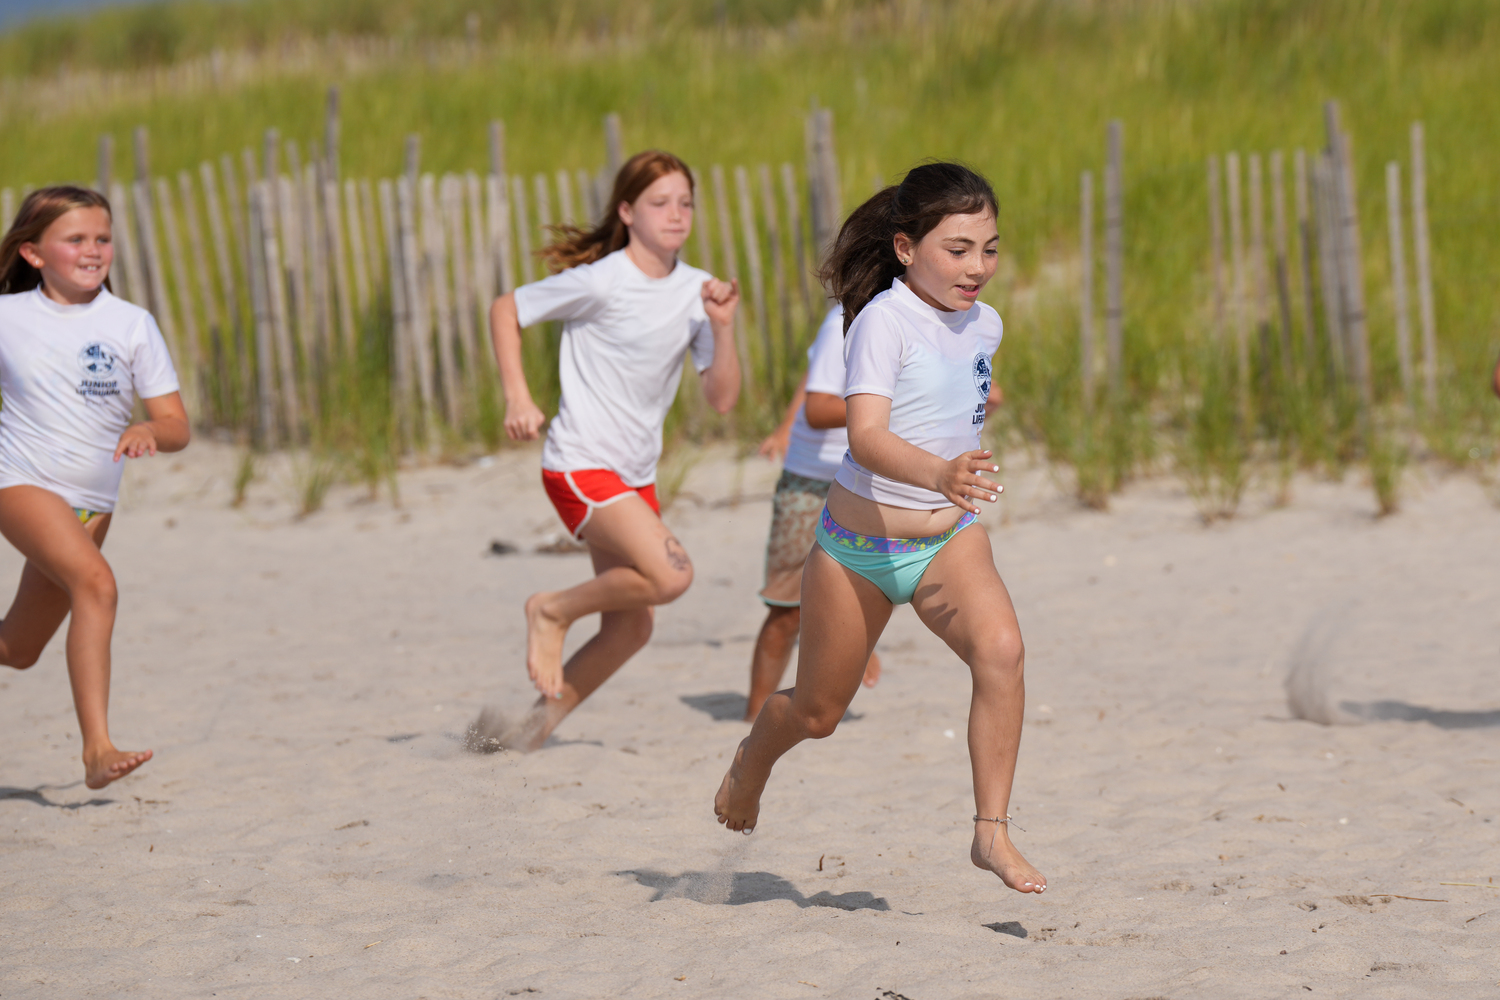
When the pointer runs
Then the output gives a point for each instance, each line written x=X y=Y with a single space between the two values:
x=873 y=543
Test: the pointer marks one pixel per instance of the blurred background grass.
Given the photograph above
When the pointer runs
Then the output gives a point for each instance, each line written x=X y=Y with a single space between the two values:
x=1021 y=89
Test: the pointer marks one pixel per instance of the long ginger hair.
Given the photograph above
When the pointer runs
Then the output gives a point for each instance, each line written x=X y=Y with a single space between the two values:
x=862 y=262
x=574 y=245
x=39 y=210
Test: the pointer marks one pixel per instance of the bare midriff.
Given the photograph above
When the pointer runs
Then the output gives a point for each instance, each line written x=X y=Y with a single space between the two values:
x=879 y=520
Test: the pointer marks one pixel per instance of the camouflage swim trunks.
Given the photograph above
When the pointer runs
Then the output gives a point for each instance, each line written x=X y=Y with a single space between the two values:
x=794 y=519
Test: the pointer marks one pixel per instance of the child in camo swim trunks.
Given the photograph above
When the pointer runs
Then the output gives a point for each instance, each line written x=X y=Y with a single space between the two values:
x=813 y=439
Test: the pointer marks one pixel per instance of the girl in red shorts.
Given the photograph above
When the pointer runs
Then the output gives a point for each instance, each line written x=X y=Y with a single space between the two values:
x=631 y=312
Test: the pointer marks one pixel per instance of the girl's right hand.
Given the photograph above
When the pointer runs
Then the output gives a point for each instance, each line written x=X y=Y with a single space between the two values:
x=775 y=444
x=523 y=420
x=962 y=482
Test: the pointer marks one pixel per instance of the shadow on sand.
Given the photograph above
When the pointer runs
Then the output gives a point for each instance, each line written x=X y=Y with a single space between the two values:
x=721 y=706
x=35 y=796
x=1401 y=711
x=724 y=706
x=739 y=888
x=1011 y=927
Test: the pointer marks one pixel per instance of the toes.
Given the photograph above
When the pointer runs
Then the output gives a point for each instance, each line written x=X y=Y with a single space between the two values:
x=125 y=765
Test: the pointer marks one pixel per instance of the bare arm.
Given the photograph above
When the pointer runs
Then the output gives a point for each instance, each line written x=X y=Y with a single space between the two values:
x=523 y=418
x=775 y=444
x=874 y=446
x=825 y=410
x=721 y=380
x=164 y=429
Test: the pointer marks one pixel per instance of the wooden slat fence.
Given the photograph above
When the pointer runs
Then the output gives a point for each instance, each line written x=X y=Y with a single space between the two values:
x=270 y=279
x=1272 y=287
x=275 y=280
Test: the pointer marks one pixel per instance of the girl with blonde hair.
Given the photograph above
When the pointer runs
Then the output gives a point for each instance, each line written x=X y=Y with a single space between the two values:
x=73 y=361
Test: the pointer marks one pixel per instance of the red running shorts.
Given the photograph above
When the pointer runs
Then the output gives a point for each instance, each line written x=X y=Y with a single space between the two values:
x=575 y=494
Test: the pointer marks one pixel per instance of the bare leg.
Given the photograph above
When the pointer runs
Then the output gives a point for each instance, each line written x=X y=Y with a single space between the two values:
x=621 y=635
x=964 y=602
x=773 y=651
x=844 y=616
x=648 y=566
x=33 y=619
x=66 y=571
x=638 y=563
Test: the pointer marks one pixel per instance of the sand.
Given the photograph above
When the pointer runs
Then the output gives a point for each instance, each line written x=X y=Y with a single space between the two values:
x=312 y=826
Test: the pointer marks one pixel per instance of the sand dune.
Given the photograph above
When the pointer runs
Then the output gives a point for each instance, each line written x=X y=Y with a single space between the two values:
x=313 y=826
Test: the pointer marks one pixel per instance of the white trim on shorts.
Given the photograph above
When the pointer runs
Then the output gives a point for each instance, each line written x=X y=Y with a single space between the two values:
x=592 y=504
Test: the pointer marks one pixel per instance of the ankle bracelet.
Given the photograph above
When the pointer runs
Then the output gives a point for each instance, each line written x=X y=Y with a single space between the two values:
x=997 y=819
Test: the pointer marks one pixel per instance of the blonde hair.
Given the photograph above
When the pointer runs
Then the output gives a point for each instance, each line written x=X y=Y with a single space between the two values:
x=39 y=210
x=574 y=245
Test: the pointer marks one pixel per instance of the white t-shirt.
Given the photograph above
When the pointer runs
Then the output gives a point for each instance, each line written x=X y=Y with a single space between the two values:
x=69 y=376
x=623 y=341
x=934 y=367
x=817 y=454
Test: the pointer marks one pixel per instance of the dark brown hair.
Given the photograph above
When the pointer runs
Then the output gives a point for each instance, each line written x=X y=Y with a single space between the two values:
x=862 y=261
x=575 y=245
x=39 y=210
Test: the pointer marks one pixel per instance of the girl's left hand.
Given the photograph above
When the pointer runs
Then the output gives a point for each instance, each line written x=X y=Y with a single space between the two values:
x=138 y=440
x=962 y=480
x=720 y=299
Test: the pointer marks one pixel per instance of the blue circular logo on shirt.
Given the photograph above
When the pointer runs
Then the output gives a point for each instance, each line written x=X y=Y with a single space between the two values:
x=981 y=370
x=96 y=361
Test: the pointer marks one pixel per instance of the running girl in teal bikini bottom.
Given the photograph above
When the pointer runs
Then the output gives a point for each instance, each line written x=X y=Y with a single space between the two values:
x=895 y=565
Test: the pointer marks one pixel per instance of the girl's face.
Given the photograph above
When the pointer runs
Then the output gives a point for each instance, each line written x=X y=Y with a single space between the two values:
x=73 y=254
x=949 y=266
x=662 y=217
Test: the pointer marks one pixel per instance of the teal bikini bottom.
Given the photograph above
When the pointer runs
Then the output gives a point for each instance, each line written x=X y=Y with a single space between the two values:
x=895 y=565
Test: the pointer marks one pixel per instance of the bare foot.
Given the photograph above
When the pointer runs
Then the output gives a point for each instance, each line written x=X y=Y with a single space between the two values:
x=494 y=730
x=872 y=671
x=544 y=645
x=737 y=805
x=111 y=764
x=994 y=852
